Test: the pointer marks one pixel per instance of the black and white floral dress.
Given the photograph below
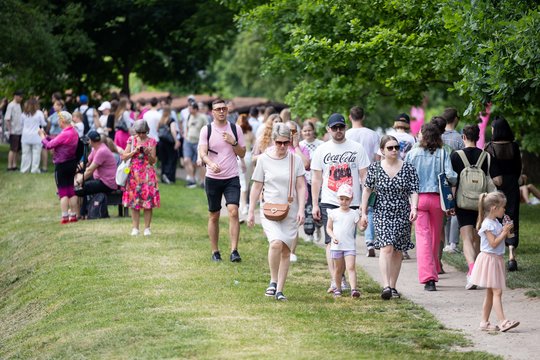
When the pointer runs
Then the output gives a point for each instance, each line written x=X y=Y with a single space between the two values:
x=392 y=207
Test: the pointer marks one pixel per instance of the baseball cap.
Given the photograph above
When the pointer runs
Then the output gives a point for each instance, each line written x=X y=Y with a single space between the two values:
x=403 y=118
x=345 y=190
x=104 y=105
x=94 y=135
x=83 y=99
x=336 y=119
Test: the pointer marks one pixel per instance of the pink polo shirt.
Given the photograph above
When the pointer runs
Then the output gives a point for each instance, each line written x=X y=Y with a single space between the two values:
x=225 y=157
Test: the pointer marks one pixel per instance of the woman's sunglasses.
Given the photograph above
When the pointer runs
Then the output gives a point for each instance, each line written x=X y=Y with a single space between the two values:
x=282 y=143
x=390 y=148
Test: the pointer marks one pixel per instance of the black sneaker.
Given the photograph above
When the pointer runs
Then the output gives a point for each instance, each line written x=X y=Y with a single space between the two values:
x=512 y=265
x=216 y=256
x=430 y=286
x=386 y=294
x=235 y=256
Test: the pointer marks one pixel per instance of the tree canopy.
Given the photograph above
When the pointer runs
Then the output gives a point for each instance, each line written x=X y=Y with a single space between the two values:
x=347 y=52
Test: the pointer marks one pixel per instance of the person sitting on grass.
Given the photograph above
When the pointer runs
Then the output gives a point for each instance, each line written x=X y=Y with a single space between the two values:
x=100 y=174
x=341 y=228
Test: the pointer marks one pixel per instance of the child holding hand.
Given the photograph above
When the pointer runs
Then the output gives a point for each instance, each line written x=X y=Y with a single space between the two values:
x=489 y=270
x=341 y=228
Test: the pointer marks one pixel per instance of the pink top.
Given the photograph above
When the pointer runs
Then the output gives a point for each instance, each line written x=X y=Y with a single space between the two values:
x=222 y=152
x=106 y=170
x=64 y=145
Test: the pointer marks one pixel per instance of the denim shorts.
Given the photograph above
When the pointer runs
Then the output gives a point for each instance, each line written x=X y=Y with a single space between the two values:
x=190 y=150
x=217 y=188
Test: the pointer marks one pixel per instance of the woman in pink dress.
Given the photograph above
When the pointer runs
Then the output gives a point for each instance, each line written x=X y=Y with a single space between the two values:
x=141 y=191
x=122 y=123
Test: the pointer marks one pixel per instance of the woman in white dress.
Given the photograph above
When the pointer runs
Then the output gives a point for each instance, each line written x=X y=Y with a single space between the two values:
x=271 y=175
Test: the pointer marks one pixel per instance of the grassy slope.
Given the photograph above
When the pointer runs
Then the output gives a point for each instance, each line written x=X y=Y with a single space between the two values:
x=89 y=290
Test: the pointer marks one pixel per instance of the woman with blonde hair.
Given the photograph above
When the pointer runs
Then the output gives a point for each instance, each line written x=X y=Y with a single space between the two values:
x=265 y=140
x=122 y=123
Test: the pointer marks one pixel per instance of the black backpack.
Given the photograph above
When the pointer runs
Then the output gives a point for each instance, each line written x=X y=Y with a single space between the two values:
x=85 y=121
x=209 y=132
x=97 y=207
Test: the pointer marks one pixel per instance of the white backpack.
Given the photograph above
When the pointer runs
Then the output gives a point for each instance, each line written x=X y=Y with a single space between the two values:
x=473 y=182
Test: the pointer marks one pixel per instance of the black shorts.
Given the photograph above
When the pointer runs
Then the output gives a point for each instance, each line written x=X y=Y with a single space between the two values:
x=466 y=217
x=15 y=143
x=217 y=188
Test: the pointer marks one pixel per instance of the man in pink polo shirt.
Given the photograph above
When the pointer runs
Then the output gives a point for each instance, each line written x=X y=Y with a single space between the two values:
x=219 y=154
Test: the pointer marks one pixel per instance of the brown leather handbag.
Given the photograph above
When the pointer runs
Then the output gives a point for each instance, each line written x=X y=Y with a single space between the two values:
x=278 y=212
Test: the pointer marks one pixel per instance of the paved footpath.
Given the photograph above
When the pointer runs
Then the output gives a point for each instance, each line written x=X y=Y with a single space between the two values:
x=460 y=309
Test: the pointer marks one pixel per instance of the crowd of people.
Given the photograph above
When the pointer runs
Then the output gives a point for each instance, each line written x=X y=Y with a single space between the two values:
x=384 y=185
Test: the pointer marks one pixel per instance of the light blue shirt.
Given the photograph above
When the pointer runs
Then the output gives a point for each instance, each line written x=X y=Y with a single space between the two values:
x=429 y=166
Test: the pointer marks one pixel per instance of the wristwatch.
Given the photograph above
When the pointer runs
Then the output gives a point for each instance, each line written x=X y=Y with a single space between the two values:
x=235 y=143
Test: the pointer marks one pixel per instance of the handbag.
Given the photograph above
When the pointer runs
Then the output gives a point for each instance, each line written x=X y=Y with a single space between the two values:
x=122 y=172
x=373 y=196
x=164 y=134
x=278 y=212
x=445 y=189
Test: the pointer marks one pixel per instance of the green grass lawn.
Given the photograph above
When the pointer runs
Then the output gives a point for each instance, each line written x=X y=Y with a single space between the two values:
x=89 y=290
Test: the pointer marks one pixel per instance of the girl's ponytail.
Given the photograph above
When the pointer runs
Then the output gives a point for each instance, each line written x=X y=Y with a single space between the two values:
x=480 y=218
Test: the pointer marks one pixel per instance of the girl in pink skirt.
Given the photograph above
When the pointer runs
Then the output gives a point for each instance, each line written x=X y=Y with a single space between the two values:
x=489 y=270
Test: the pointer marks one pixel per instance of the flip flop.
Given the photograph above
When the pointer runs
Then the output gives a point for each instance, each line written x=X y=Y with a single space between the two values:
x=507 y=325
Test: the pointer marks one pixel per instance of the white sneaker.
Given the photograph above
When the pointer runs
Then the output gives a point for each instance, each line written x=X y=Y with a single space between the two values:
x=134 y=232
x=469 y=285
x=317 y=234
x=451 y=249
x=309 y=238
x=147 y=232
x=294 y=258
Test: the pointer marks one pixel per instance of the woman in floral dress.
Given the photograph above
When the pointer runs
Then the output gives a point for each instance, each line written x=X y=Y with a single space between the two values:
x=396 y=185
x=141 y=191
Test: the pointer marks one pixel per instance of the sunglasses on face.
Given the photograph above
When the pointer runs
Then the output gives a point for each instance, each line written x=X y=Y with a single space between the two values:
x=395 y=147
x=338 y=127
x=282 y=143
x=221 y=109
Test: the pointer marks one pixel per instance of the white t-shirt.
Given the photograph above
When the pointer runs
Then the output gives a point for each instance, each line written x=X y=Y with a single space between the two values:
x=152 y=118
x=30 y=127
x=13 y=114
x=406 y=142
x=368 y=138
x=495 y=228
x=310 y=146
x=339 y=164
x=344 y=228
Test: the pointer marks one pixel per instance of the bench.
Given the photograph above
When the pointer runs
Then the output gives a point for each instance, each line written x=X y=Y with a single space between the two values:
x=115 y=198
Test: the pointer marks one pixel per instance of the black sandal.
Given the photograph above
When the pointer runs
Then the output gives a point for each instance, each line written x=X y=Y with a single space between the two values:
x=386 y=294
x=281 y=297
x=271 y=290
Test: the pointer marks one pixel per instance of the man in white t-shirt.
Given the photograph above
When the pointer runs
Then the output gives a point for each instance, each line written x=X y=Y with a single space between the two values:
x=402 y=125
x=369 y=139
x=336 y=162
x=152 y=118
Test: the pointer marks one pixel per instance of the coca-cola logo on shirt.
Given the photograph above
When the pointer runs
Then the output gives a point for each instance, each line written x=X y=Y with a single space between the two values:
x=346 y=157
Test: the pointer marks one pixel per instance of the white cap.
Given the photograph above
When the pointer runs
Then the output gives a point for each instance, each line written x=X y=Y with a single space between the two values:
x=104 y=105
x=345 y=190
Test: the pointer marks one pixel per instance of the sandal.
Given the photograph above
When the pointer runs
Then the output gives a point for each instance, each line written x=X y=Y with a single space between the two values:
x=507 y=325
x=337 y=293
x=355 y=293
x=386 y=294
x=281 y=297
x=271 y=290
x=487 y=326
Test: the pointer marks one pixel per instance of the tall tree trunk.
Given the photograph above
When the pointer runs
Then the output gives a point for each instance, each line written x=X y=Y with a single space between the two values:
x=125 y=80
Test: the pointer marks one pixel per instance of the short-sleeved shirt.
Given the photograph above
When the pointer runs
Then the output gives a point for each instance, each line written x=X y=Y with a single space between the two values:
x=472 y=154
x=495 y=227
x=194 y=125
x=222 y=152
x=13 y=114
x=31 y=124
x=406 y=142
x=339 y=164
x=368 y=138
x=344 y=228
x=152 y=118
x=453 y=139
x=106 y=170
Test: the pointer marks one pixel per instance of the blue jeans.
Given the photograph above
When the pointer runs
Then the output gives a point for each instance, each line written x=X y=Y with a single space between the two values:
x=369 y=234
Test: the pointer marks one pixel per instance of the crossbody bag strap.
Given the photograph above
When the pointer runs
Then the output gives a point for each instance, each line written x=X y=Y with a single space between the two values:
x=291 y=177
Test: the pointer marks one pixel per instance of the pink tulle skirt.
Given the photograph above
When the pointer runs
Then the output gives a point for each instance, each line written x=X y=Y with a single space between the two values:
x=489 y=271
